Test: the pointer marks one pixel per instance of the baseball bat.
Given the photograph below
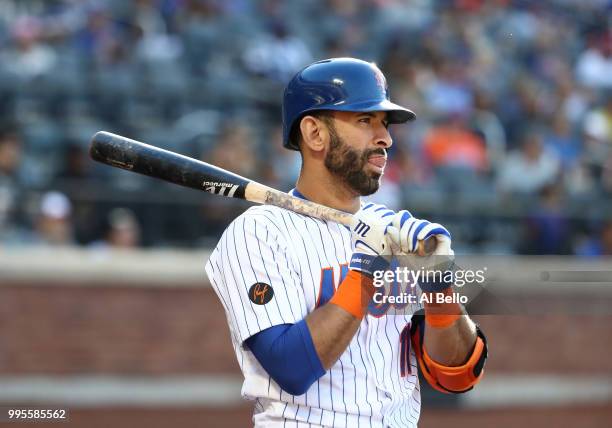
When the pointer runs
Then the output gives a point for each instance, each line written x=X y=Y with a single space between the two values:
x=135 y=156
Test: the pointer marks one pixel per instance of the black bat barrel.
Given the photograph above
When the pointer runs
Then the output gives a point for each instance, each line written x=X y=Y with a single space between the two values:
x=132 y=155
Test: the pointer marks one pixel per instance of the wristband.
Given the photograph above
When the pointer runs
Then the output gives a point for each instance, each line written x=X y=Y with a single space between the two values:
x=354 y=293
x=368 y=263
x=441 y=315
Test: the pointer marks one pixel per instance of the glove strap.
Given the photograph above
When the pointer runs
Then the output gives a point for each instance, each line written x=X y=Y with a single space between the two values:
x=367 y=263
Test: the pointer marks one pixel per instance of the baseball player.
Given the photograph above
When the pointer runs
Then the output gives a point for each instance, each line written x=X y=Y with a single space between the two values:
x=297 y=291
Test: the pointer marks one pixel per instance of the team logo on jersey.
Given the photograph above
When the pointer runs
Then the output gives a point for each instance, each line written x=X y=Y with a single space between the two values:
x=261 y=293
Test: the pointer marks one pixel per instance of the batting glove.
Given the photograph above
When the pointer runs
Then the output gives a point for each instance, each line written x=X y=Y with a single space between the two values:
x=369 y=238
x=406 y=231
x=404 y=236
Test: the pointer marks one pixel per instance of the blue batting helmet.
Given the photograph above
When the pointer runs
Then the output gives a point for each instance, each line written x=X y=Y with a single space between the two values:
x=341 y=84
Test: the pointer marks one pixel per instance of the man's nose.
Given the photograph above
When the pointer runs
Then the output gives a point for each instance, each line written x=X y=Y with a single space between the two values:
x=383 y=138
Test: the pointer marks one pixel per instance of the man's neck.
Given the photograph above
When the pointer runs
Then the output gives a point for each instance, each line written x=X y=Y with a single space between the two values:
x=323 y=188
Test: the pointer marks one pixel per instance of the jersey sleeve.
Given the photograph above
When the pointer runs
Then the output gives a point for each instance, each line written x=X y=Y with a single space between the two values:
x=252 y=272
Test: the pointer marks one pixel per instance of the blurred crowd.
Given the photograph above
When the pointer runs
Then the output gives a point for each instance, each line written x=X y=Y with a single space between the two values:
x=512 y=147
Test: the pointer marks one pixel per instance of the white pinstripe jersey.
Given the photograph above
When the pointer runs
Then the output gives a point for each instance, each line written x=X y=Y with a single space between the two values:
x=303 y=260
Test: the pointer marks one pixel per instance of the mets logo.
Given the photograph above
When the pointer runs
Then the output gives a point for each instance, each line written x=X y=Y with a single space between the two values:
x=261 y=293
x=380 y=78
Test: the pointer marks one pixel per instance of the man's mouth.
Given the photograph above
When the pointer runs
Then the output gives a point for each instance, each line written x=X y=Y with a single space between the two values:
x=378 y=161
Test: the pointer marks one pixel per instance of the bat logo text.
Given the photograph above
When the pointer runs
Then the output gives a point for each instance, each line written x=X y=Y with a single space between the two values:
x=223 y=189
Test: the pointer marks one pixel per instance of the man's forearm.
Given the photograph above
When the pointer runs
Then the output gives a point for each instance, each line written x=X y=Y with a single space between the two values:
x=333 y=325
x=332 y=329
x=451 y=345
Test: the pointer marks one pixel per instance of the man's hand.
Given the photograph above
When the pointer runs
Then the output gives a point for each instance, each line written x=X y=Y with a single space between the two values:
x=369 y=238
x=406 y=231
x=404 y=235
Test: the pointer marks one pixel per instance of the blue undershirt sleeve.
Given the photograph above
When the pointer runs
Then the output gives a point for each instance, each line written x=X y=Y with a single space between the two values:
x=287 y=353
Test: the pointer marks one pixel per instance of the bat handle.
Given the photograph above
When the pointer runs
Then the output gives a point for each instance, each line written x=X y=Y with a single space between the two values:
x=424 y=248
x=256 y=192
x=427 y=247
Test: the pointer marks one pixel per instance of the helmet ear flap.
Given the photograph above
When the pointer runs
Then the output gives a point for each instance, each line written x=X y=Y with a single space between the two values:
x=295 y=134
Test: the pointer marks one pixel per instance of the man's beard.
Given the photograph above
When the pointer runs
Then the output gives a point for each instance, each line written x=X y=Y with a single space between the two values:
x=349 y=165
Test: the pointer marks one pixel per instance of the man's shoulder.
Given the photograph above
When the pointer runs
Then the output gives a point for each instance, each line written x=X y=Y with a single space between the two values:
x=253 y=221
x=245 y=227
x=264 y=216
x=258 y=225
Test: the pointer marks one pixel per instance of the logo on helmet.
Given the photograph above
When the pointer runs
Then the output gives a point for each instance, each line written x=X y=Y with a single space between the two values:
x=380 y=78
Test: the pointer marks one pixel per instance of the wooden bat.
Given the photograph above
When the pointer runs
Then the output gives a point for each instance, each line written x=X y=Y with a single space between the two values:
x=131 y=155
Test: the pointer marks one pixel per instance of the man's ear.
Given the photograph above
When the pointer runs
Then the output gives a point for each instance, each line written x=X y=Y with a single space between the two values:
x=314 y=133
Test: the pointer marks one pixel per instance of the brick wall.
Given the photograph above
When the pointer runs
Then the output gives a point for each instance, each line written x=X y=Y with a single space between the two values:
x=153 y=330
x=130 y=330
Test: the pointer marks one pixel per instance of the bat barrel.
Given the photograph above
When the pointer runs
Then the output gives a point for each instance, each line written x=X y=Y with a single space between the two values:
x=135 y=156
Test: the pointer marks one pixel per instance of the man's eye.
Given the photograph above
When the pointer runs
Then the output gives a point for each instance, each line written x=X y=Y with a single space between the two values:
x=365 y=120
x=386 y=124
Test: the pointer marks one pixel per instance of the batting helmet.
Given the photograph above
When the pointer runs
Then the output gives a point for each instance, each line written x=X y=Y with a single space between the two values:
x=341 y=84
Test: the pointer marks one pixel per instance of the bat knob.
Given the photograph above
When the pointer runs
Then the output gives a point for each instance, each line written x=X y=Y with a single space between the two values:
x=427 y=247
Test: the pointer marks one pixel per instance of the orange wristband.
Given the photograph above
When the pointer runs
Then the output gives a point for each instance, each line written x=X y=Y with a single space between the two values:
x=441 y=315
x=354 y=293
